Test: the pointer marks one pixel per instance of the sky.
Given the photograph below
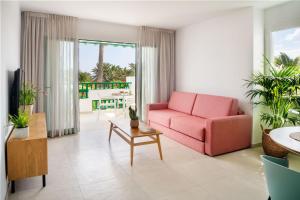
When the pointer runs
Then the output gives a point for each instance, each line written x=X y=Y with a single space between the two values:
x=117 y=55
x=287 y=41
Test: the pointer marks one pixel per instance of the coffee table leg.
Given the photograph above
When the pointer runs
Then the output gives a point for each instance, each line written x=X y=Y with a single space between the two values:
x=131 y=150
x=159 y=147
x=110 y=131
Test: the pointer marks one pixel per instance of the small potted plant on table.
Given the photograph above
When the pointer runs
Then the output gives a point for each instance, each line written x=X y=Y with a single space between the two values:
x=134 y=119
x=20 y=123
x=27 y=99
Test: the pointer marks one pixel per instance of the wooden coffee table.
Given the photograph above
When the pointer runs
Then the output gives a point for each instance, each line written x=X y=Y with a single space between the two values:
x=122 y=128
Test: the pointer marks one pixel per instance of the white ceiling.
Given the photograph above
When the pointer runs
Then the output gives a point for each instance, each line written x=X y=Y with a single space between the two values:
x=164 y=14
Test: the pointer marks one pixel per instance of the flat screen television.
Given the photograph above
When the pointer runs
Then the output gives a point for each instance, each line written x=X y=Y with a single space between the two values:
x=15 y=92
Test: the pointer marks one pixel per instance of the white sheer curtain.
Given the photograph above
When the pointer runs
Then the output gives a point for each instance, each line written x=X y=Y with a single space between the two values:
x=62 y=75
x=155 y=67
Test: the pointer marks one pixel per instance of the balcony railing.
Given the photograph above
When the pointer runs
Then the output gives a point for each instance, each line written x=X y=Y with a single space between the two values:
x=104 y=104
x=85 y=87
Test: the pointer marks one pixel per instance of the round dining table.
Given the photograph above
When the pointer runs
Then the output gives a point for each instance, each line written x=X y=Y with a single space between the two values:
x=287 y=137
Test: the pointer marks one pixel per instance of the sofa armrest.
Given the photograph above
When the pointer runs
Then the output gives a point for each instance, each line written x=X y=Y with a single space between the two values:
x=154 y=106
x=157 y=106
x=227 y=134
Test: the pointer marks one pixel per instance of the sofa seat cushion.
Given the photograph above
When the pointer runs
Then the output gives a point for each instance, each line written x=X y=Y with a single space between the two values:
x=163 y=116
x=182 y=102
x=189 y=125
x=210 y=106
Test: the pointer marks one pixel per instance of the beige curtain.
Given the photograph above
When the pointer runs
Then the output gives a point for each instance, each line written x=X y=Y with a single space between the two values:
x=32 y=57
x=155 y=67
x=50 y=60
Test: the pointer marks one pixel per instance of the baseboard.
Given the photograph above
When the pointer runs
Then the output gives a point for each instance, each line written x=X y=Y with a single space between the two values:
x=256 y=145
x=7 y=190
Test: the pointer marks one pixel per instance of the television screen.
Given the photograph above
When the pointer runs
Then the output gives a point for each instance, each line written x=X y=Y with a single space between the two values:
x=15 y=92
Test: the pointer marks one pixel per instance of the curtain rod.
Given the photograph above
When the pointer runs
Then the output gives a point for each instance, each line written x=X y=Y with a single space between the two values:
x=42 y=15
x=157 y=29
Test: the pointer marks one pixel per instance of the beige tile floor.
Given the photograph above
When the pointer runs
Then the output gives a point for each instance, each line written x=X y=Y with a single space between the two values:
x=85 y=166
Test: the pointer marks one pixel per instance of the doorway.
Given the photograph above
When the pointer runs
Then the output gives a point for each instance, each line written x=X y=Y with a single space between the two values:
x=106 y=79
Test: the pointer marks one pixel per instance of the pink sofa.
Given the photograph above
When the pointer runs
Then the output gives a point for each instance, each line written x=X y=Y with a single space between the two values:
x=206 y=123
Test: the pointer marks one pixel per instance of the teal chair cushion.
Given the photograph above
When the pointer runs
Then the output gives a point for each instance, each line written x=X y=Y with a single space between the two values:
x=283 y=183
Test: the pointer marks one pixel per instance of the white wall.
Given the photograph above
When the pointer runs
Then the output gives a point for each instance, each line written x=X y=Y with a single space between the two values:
x=258 y=52
x=10 y=60
x=283 y=16
x=105 y=31
x=216 y=55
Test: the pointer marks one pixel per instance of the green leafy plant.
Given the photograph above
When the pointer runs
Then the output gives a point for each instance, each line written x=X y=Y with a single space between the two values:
x=277 y=92
x=20 y=121
x=28 y=94
x=133 y=113
x=84 y=77
x=112 y=73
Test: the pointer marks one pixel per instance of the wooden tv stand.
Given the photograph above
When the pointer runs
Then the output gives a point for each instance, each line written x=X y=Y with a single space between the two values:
x=28 y=157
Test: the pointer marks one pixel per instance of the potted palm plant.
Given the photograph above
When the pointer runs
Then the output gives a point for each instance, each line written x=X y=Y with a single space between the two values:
x=277 y=93
x=27 y=98
x=134 y=119
x=20 y=123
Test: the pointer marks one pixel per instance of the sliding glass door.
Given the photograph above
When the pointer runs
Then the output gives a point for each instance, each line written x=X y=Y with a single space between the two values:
x=106 y=78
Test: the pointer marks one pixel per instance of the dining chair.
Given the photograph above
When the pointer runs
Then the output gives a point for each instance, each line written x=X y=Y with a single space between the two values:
x=283 y=183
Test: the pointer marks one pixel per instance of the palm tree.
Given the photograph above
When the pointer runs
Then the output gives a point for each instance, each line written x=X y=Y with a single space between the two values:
x=98 y=70
x=284 y=60
x=84 y=77
x=277 y=91
x=97 y=73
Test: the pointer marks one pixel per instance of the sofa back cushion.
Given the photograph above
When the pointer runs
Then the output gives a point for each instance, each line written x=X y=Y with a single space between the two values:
x=210 y=106
x=182 y=102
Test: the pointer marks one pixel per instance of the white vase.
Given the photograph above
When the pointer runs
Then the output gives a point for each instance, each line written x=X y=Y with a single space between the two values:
x=28 y=109
x=21 y=132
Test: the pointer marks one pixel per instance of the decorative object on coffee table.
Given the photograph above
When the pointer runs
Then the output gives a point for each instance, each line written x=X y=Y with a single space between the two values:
x=20 y=123
x=134 y=119
x=295 y=136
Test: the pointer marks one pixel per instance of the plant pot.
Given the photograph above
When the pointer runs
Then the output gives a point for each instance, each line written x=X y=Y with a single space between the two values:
x=270 y=147
x=134 y=123
x=21 y=132
x=28 y=109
